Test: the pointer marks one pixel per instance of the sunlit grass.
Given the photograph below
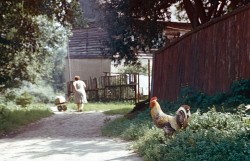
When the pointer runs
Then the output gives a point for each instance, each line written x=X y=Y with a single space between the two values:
x=12 y=118
x=110 y=108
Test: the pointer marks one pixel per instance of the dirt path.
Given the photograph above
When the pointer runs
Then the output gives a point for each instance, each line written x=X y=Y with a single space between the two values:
x=67 y=136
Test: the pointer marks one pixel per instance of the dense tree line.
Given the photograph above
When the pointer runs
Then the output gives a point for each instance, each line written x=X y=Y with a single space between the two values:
x=32 y=34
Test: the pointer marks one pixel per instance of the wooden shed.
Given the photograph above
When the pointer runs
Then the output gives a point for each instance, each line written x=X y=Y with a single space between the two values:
x=87 y=55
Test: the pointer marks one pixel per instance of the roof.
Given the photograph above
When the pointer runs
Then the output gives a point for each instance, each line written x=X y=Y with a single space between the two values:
x=88 y=43
x=91 y=42
x=176 y=29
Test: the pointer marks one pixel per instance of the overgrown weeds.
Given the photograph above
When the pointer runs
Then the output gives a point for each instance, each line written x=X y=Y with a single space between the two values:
x=218 y=129
x=210 y=136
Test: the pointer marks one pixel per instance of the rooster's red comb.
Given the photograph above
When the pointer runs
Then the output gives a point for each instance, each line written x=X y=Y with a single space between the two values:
x=153 y=99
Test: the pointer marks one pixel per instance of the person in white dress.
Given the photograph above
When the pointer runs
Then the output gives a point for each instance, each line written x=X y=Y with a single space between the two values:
x=79 y=93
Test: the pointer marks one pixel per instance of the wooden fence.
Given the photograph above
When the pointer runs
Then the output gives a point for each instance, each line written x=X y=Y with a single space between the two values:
x=122 y=87
x=208 y=59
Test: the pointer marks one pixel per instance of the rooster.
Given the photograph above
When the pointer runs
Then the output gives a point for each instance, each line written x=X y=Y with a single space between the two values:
x=170 y=124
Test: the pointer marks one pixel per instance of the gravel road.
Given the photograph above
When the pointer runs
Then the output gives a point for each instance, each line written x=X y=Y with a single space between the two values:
x=66 y=136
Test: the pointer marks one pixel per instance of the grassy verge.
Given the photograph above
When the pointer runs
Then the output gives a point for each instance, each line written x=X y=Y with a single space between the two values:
x=210 y=136
x=111 y=108
x=15 y=117
x=220 y=131
x=12 y=116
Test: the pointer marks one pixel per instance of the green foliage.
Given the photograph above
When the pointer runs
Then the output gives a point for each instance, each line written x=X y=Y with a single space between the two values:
x=116 y=127
x=24 y=99
x=241 y=87
x=10 y=96
x=118 y=111
x=13 y=118
x=4 y=112
x=128 y=34
x=40 y=92
x=216 y=120
x=211 y=135
x=135 y=130
x=151 y=143
x=228 y=102
x=33 y=31
x=141 y=69
x=111 y=108
x=128 y=129
x=138 y=25
x=78 y=14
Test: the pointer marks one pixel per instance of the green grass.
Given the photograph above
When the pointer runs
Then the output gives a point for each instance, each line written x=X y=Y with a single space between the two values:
x=14 y=117
x=210 y=136
x=111 y=108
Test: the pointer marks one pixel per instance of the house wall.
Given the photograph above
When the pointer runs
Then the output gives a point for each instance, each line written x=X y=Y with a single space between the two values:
x=87 y=68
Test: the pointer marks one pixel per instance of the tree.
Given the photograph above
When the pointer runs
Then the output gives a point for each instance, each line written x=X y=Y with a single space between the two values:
x=202 y=11
x=52 y=50
x=25 y=49
x=141 y=69
x=135 y=25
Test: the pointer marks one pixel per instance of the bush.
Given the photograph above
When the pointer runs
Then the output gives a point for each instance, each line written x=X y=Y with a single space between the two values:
x=210 y=136
x=239 y=94
x=40 y=92
x=4 y=112
x=10 y=96
x=24 y=100
x=213 y=133
x=241 y=87
x=150 y=144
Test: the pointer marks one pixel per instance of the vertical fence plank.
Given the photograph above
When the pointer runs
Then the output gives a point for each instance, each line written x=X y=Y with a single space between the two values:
x=208 y=59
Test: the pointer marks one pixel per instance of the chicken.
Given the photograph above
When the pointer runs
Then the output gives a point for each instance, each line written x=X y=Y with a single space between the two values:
x=170 y=124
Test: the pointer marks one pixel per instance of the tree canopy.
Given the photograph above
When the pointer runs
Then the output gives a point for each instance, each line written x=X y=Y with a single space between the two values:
x=202 y=11
x=136 y=25
x=30 y=33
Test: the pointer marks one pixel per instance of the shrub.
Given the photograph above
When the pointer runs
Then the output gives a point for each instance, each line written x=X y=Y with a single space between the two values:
x=241 y=87
x=4 y=112
x=24 y=99
x=210 y=136
x=239 y=94
x=150 y=144
x=213 y=133
x=41 y=92
x=10 y=96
